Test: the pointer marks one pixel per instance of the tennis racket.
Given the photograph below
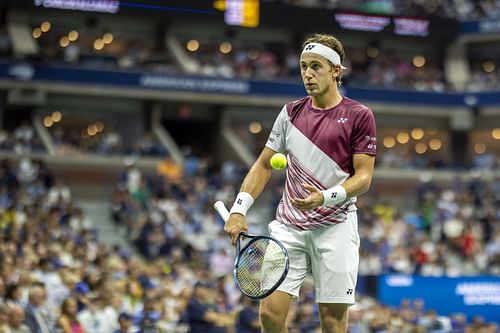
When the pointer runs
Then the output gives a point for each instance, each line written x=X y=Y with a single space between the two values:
x=260 y=265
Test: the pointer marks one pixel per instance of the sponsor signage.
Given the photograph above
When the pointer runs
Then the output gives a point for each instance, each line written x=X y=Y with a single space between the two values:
x=100 y=6
x=468 y=295
x=406 y=26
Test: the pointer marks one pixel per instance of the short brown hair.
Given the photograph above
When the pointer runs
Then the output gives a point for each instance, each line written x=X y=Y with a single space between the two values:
x=330 y=41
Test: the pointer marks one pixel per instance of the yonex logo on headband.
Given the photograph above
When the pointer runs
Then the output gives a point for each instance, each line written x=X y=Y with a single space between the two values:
x=325 y=52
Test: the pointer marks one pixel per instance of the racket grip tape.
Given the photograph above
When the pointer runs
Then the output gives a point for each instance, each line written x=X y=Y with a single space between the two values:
x=222 y=210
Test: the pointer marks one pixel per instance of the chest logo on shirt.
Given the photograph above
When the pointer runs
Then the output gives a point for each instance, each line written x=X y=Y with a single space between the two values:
x=342 y=120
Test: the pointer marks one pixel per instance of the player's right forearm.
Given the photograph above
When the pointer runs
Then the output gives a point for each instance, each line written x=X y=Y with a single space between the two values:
x=256 y=180
x=254 y=183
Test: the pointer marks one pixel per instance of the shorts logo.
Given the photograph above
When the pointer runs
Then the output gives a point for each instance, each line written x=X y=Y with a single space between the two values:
x=349 y=291
x=342 y=120
x=310 y=47
x=239 y=201
x=334 y=195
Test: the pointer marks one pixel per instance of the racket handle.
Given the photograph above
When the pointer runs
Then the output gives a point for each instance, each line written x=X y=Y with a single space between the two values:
x=222 y=210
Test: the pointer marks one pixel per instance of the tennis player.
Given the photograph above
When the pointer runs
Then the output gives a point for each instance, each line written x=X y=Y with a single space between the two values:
x=330 y=143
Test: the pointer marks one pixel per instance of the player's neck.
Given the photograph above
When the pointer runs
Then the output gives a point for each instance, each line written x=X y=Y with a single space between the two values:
x=326 y=101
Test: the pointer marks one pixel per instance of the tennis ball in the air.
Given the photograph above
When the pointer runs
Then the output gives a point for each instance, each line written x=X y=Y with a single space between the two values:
x=278 y=161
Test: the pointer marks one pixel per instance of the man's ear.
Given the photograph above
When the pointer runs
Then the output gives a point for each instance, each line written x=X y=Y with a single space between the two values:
x=336 y=71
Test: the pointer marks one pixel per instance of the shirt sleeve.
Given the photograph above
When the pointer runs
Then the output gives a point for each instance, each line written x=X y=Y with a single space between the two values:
x=276 y=140
x=364 y=136
x=196 y=311
x=247 y=317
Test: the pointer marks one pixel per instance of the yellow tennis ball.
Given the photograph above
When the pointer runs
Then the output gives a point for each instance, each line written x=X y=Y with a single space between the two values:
x=278 y=161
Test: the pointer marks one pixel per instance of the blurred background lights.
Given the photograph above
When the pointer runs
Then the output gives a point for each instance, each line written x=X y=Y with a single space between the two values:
x=495 y=133
x=73 y=35
x=418 y=61
x=403 y=137
x=64 y=41
x=56 y=116
x=192 y=45
x=37 y=33
x=420 y=148
x=107 y=38
x=225 y=47
x=417 y=133
x=255 y=127
x=98 y=44
x=47 y=121
x=480 y=148
x=99 y=126
x=435 y=144
x=489 y=66
x=45 y=26
x=389 y=142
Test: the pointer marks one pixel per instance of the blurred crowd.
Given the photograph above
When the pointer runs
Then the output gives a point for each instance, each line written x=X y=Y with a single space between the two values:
x=452 y=230
x=72 y=141
x=481 y=80
x=366 y=66
x=55 y=275
x=21 y=140
x=410 y=316
x=457 y=9
x=130 y=54
x=24 y=139
x=370 y=66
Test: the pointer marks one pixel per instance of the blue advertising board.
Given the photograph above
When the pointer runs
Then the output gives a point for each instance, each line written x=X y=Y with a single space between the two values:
x=479 y=295
x=192 y=83
x=488 y=26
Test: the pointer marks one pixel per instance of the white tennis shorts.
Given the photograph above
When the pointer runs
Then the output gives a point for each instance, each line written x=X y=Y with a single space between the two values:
x=331 y=254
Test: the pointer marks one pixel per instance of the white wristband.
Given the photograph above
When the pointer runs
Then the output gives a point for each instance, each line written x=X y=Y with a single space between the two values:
x=242 y=203
x=334 y=196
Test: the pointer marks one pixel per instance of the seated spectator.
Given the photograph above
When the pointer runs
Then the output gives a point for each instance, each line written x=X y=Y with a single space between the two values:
x=68 y=321
x=16 y=319
x=35 y=318
x=125 y=322
x=93 y=318
x=248 y=317
x=201 y=315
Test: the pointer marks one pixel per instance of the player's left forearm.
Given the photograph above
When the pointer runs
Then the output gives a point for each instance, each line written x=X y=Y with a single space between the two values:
x=358 y=184
x=361 y=180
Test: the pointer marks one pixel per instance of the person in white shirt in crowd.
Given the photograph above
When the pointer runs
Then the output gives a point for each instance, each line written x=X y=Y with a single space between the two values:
x=80 y=221
x=112 y=310
x=221 y=262
x=59 y=193
x=94 y=319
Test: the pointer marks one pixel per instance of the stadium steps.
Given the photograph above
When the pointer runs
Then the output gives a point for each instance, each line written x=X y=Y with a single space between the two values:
x=99 y=213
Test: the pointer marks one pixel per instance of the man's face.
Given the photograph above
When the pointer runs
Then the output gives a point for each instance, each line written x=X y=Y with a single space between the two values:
x=37 y=297
x=317 y=74
x=125 y=324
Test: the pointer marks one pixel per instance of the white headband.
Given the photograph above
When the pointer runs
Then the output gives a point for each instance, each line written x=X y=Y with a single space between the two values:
x=325 y=52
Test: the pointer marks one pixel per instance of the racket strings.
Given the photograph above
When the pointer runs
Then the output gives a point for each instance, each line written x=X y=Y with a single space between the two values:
x=260 y=267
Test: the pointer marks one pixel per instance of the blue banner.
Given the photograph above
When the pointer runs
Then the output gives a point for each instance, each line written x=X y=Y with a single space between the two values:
x=483 y=27
x=71 y=75
x=468 y=295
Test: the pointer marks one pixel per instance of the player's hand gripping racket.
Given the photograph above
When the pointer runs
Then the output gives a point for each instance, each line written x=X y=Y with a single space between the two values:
x=261 y=265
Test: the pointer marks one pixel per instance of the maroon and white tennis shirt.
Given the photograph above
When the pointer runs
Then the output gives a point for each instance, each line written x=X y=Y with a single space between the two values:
x=319 y=145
